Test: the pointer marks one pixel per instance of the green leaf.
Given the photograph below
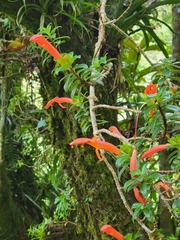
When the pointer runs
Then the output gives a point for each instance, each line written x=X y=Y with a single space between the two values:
x=129 y=236
x=175 y=142
x=145 y=188
x=123 y=169
x=74 y=88
x=66 y=60
x=136 y=172
x=121 y=160
x=98 y=81
x=152 y=176
x=166 y=72
x=130 y=184
x=155 y=37
x=68 y=82
x=138 y=209
x=173 y=108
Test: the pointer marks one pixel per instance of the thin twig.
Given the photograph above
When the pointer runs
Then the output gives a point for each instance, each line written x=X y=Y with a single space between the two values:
x=141 y=138
x=98 y=46
x=120 y=137
x=101 y=29
x=116 y=108
x=127 y=9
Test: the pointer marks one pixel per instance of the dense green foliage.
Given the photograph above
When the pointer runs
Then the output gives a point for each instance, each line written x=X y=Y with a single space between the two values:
x=53 y=191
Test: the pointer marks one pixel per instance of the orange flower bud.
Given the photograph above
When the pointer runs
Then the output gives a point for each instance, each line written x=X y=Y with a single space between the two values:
x=114 y=129
x=154 y=150
x=133 y=160
x=174 y=89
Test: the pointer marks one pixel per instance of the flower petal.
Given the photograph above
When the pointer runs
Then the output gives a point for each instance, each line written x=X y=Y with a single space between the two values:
x=98 y=154
x=42 y=42
x=112 y=232
x=153 y=150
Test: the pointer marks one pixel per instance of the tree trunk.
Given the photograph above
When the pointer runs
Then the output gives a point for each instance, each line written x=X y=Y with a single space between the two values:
x=176 y=29
x=98 y=201
x=164 y=214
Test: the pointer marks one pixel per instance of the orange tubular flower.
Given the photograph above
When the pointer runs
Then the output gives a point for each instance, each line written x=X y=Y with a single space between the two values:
x=59 y=101
x=138 y=196
x=114 y=129
x=150 y=89
x=165 y=186
x=112 y=232
x=42 y=42
x=133 y=160
x=153 y=150
x=97 y=144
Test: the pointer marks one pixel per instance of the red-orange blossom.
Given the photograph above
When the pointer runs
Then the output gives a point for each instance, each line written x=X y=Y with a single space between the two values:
x=97 y=144
x=42 y=42
x=59 y=101
x=150 y=89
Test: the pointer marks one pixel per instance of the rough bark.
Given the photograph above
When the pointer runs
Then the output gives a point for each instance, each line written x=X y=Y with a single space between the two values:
x=176 y=36
x=164 y=214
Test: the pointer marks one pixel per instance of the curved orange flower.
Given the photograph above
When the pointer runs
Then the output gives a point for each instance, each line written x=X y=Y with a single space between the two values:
x=59 y=101
x=97 y=144
x=112 y=232
x=138 y=196
x=153 y=150
x=165 y=186
x=114 y=129
x=42 y=42
x=150 y=89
